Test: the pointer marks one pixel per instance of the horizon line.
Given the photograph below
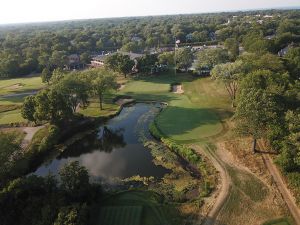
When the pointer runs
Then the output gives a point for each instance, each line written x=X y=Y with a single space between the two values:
x=153 y=15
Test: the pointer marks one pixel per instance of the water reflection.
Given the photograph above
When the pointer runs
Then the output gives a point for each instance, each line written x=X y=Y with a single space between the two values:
x=114 y=150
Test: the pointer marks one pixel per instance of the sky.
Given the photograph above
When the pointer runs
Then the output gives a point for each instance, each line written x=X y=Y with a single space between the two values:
x=23 y=11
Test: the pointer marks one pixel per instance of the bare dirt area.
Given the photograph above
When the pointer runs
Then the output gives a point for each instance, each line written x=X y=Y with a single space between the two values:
x=177 y=89
x=15 y=86
x=253 y=198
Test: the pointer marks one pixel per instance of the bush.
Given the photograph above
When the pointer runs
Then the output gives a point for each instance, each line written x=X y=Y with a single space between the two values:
x=182 y=150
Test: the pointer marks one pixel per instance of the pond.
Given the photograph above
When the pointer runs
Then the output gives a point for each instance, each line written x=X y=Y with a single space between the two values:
x=115 y=149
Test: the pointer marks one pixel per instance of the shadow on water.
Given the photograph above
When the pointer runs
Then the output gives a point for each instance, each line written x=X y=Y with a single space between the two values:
x=102 y=139
x=113 y=150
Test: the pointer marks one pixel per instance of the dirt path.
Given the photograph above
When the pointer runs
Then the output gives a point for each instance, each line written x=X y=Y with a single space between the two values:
x=225 y=185
x=30 y=131
x=285 y=193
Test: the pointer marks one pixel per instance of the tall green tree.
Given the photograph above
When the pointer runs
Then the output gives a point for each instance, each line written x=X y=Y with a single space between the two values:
x=120 y=63
x=232 y=45
x=46 y=75
x=211 y=57
x=230 y=75
x=184 y=58
x=101 y=81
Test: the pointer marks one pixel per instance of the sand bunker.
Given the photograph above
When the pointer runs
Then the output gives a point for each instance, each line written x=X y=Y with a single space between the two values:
x=177 y=88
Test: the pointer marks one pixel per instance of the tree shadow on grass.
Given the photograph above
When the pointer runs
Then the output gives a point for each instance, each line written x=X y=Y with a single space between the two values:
x=165 y=78
x=13 y=100
x=152 y=97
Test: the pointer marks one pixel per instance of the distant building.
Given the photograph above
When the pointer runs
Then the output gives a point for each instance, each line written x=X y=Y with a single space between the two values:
x=74 y=62
x=99 y=60
x=268 y=16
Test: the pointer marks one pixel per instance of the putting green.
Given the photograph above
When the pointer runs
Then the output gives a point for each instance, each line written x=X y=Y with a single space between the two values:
x=189 y=117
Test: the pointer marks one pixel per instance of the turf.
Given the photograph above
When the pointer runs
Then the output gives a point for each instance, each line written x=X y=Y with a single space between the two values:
x=120 y=215
x=144 y=206
x=13 y=116
x=19 y=85
x=190 y=117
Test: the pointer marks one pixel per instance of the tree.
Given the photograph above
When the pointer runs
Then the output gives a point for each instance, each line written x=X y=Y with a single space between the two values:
x=147 y=63
x=166 y=58
x=208 y=58
x=232 y=45
x=74 y=179
x=289 y=157
x=259 y=106
x=10 y=149
x=119 y=63
x=101 y=80
x=51 y=105
x=85 y=58
x=46 y=75
x=28 y=108
x=75 y=214
x=293 y=62
x=58 y=59
x=184 y=58
x=230 y=74
x=74 y=90
x=254 y=111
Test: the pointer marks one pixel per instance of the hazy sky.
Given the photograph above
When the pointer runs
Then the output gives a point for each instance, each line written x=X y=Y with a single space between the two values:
x=15 y=11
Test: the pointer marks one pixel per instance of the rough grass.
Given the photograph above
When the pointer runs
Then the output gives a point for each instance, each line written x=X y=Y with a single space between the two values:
x=19 y=85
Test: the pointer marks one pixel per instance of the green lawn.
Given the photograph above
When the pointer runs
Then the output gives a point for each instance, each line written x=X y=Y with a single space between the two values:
x=136 y=207
x=19 y=85
x=282 y=221
x=13 y=116
x=189 y=117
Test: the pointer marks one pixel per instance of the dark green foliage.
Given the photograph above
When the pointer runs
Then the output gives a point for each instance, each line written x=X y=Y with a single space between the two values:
x=120 y=63
x=41 y=201
x=184 y=58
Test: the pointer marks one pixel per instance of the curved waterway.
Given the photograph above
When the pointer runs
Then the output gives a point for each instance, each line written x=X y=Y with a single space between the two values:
x=115 y=149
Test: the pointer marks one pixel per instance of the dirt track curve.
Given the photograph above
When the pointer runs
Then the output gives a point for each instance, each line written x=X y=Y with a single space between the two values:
x=225 y=185
x=284 y=191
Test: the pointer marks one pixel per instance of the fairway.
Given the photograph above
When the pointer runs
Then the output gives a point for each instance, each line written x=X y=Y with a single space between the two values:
x=189 y=117
x=136 y=208
x=120 y=215
x=19 y=85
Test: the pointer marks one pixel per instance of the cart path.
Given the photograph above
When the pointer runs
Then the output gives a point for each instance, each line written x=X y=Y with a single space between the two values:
x=225 y=184
x=30 y=131
x=282 y=187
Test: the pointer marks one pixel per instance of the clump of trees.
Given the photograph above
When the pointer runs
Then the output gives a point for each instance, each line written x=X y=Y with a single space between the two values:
x=42 y=200
x=184 y=58
x=67 y=93
x=211 y=57
x=120 y=63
